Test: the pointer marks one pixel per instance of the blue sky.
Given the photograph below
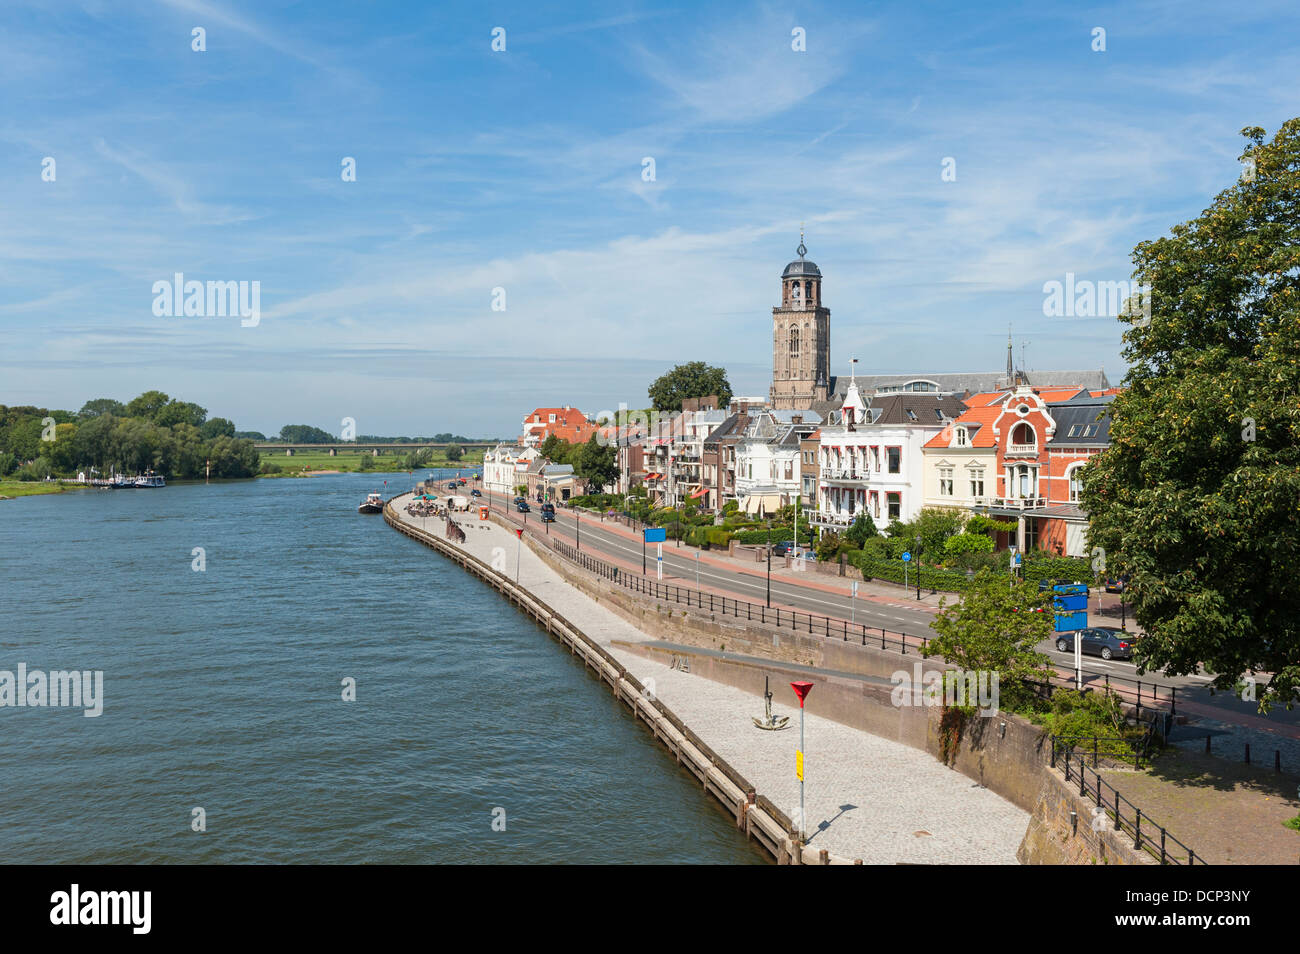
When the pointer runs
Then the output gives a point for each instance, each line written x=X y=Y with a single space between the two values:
x=522 y=170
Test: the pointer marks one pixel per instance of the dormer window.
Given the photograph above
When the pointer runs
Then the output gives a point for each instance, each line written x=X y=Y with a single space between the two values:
x=960 y=437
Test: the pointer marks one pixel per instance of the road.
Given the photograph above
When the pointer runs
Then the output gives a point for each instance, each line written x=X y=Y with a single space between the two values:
x=828 y=596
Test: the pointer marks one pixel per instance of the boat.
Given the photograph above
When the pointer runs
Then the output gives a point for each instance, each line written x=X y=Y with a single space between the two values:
x=373 y=504
x=149 y=480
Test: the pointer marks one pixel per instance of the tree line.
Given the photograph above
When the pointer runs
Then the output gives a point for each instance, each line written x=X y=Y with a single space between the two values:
x=153 y=432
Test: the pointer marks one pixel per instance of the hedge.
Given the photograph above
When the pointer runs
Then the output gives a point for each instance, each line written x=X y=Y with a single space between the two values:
x=892 y=571
x=778 y=534
x=1050 y=567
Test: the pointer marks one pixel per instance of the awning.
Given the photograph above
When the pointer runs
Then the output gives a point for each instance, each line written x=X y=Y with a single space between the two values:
x=700 y=493
x=762 y=504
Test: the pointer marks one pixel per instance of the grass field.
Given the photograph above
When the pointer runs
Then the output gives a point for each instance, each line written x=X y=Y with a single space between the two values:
x=351 y=462
x=21 y=488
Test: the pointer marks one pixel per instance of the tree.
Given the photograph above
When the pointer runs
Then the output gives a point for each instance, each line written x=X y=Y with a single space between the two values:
x=454 y=452
x=691 y=380
x=147 y=405
x=996 y=628
x=181 y=412
x=556 y=449
x=595 y=464
x=863 y=529
x=101 y=406
x=217 y=427
x=305 y=434
x=1195 y=499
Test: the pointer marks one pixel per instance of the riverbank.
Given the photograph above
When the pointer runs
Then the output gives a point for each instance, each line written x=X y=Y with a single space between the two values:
x=867 y=797
x=10 y=489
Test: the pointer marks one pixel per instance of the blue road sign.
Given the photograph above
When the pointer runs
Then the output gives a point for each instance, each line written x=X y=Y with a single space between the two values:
x=906 y=556
x=655 y=534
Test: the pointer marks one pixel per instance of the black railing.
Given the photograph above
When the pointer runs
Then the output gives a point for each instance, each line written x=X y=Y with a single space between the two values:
x=1144 y=696
x=1117 y=811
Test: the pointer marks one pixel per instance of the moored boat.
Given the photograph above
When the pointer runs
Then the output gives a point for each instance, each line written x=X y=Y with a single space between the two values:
x=373 y=504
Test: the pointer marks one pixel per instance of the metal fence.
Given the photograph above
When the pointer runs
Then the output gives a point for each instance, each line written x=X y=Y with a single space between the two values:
x=1146 y=697
x=1112 y=808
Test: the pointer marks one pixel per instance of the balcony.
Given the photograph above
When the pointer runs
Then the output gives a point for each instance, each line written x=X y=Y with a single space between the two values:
x=842 y=473
x=1011 y=503
x=1022 y=450
x=832 y=518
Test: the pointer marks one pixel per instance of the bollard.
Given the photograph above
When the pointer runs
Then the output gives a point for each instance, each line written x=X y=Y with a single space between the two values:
x=1247 y=753
x=1277 y=760
x=1207 y=744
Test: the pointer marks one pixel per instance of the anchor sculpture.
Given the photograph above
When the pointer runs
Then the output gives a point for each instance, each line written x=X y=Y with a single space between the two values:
x=769 y=722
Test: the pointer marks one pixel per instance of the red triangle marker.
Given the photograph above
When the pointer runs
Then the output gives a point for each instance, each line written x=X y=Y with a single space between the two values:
x=801 y=689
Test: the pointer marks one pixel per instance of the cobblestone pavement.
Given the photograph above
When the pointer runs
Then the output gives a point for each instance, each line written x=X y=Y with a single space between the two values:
x=1229 y=743
x=870 y=798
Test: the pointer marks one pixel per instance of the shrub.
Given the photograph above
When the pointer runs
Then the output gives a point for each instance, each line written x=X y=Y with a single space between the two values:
x=968 y=543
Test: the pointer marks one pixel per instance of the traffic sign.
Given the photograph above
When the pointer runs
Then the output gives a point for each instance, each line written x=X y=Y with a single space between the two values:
x=906 y=556
x=655 y=534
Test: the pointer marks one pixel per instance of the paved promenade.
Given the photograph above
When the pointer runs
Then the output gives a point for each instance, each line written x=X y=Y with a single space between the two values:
x=867 y=797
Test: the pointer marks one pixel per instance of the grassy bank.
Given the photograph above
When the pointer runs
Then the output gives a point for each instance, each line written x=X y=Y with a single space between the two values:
x=350 y=462
x=30 y=488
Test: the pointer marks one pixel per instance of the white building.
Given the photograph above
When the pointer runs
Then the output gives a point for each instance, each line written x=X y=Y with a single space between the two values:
x=504 y=467
x=870 y=456
x=767 y=461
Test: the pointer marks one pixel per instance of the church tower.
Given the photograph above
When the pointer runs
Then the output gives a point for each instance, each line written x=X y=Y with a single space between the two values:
x=801 y=337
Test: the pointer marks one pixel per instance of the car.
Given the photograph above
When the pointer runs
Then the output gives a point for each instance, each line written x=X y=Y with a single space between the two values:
x=476 y=492
x=1117 y=585
x=784 y=547
x=522 y=506
x=1108 y=642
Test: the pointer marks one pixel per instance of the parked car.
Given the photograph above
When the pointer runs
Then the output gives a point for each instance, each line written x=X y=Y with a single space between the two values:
x=1108 y=642
x=784 y=547
x=522 y=506
x=548 y=512
x=1116 y=585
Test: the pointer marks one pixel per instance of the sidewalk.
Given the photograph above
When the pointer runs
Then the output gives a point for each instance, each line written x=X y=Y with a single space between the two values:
x=867 y=797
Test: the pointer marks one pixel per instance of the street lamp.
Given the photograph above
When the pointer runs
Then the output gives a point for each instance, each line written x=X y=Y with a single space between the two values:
x=918 y=566
x=769 y=562
x=578 y=529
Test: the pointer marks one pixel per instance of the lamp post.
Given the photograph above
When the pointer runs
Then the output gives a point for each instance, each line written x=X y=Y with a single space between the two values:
x=769 y=563
x=918 y=566
x=801 y=689
x=578 y=529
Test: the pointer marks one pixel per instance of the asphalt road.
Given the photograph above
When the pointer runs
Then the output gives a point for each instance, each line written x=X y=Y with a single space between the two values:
x=680 y=563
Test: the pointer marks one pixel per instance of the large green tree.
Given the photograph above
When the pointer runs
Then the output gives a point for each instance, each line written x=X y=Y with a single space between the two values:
x=997 y=627
x=595 y=464
x=691 y=380
x=1196 y=498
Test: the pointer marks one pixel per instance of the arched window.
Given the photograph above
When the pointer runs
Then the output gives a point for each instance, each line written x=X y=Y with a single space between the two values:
x=1023 y=435
x=1075 y=475
x=794 y=342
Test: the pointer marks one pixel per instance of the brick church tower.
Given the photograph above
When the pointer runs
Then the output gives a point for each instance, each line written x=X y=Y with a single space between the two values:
x=801 y=337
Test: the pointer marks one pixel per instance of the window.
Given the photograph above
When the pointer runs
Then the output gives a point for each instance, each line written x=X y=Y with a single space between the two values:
x=920 y=386
x=1023 y=434
x=938 y=415
x=875 y=459
x=789 y=470
x=875 y=504
x=895 y=457
x=961 y=437
x=945 y=481
x=1076 y=483
x=977 y=482
x=895 y=505
x=911 y=415
x=794 y=342
x=1074 y=430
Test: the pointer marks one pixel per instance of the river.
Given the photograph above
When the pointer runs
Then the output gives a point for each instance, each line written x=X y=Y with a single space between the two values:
x=223 y=691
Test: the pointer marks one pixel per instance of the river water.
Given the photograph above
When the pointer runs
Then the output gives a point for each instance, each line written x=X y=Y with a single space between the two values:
x=223 y=691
